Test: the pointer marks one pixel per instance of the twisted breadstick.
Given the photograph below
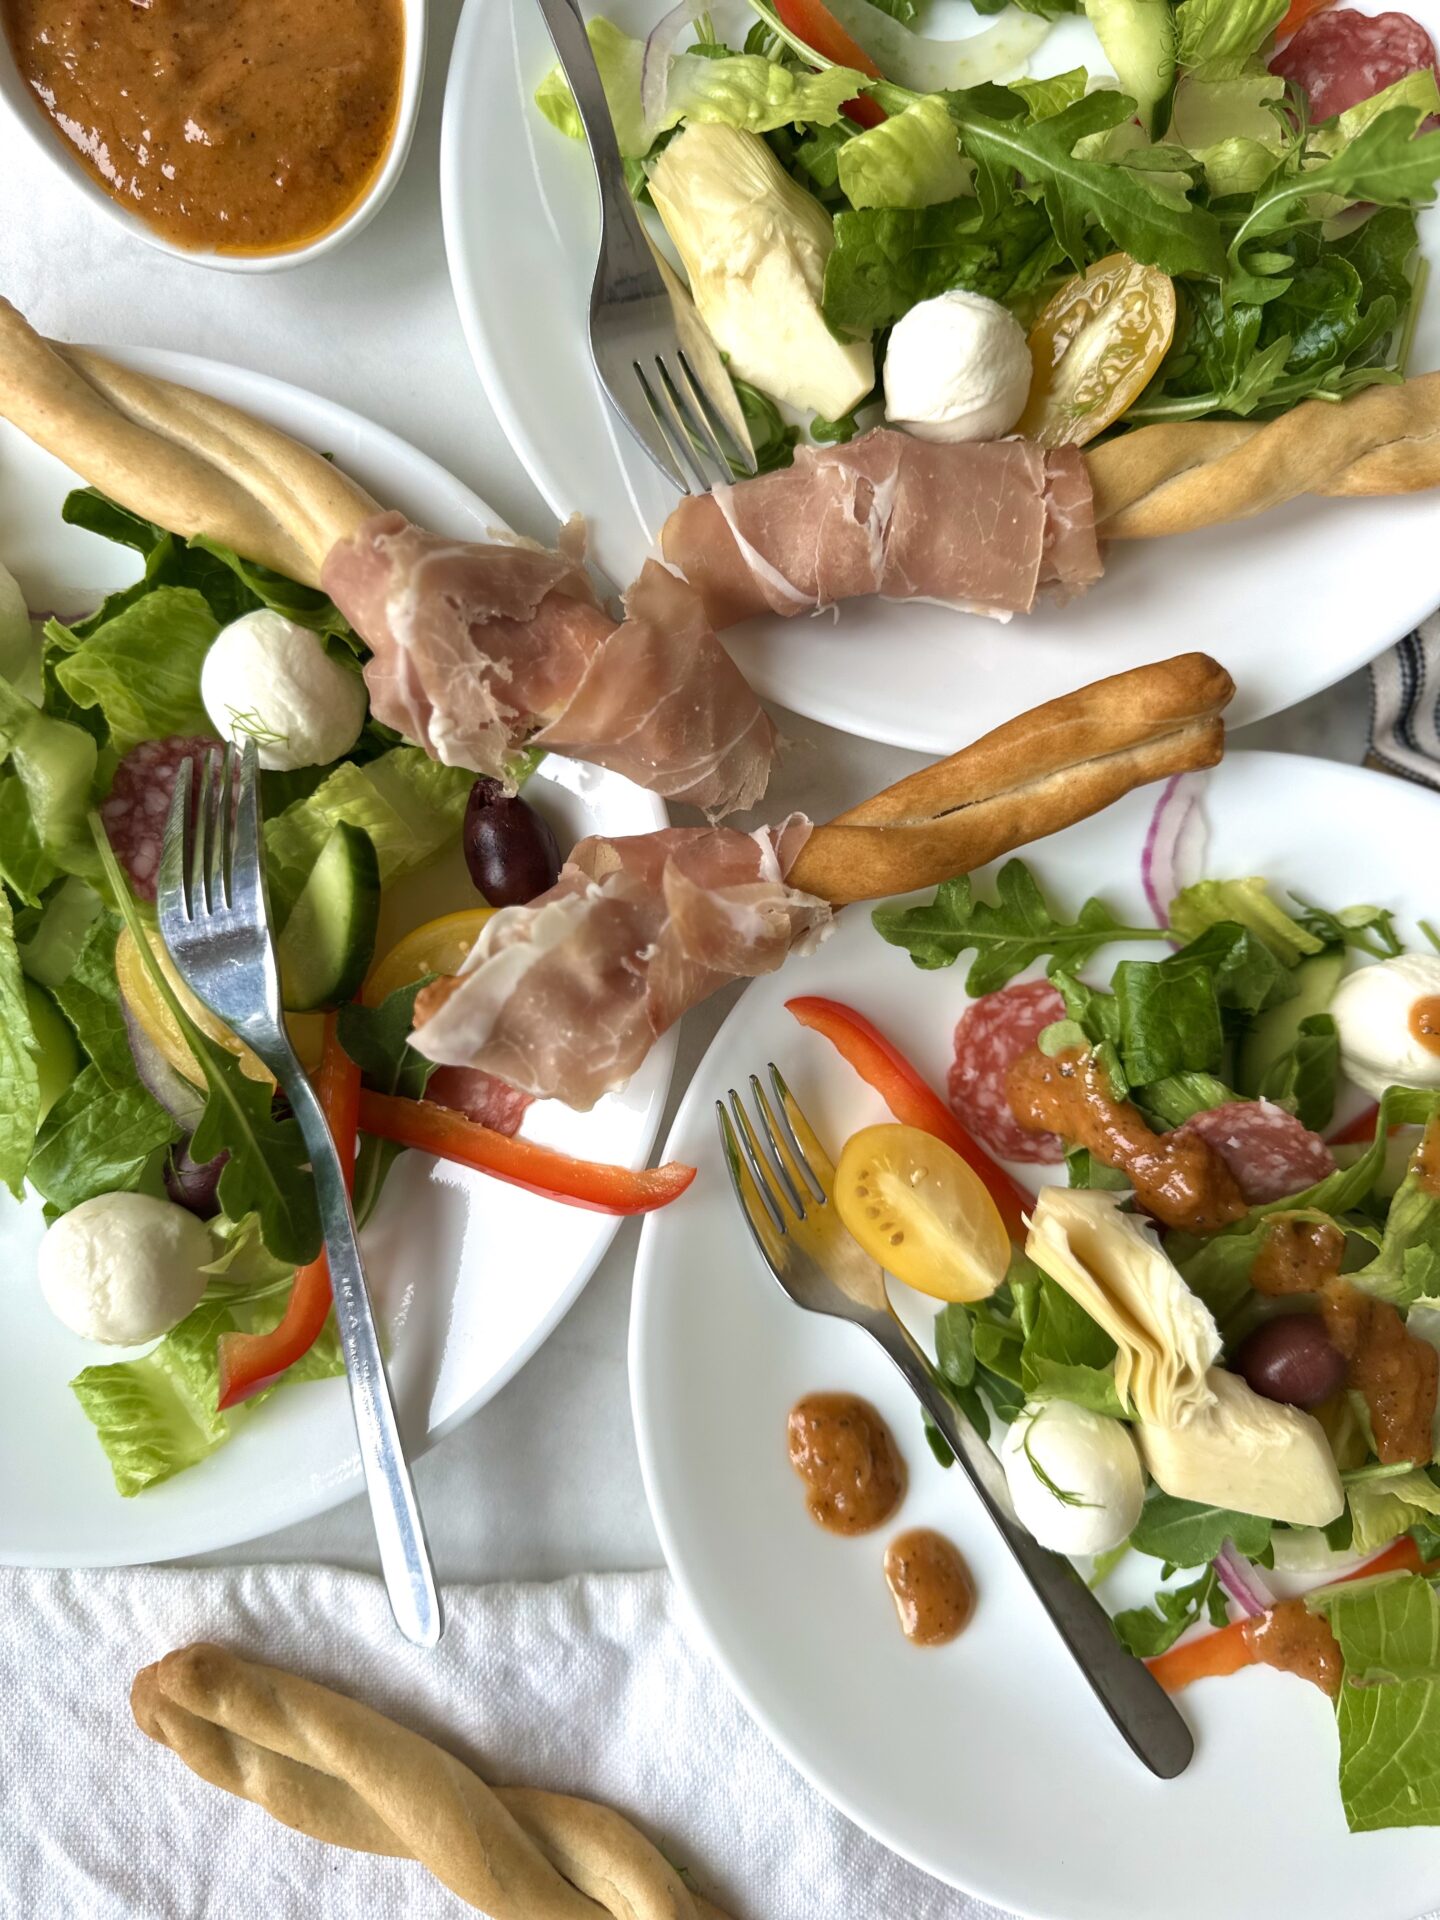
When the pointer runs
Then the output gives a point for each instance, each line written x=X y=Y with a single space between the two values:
x=1200 y=473
x=177 y=457
x=331 y=1768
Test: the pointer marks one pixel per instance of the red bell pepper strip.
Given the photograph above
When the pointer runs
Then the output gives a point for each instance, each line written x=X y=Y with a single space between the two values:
x=813 y=22
x=250 y=1362
x=521 y=1162
x=912 y=1101
x=1228 y=1649
x=1300 y=12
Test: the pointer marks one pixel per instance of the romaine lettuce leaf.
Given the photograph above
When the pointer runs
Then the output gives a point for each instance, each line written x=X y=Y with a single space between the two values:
x=19 y=1076
x=912 y=159
x=142 y=669
x=409 y=804
x=55 y=765
x=1387 y=1506
x=158 y=1415
x=1388 y=1712
x=1052 y=95
x=1219 y=39
x=1407 y=1266
x=739 y=90
x=89 y=998
x=99 y=1138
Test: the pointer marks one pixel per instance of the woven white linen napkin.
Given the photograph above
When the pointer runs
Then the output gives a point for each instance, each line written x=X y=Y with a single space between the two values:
x=1405 y=706
x=588 y=1685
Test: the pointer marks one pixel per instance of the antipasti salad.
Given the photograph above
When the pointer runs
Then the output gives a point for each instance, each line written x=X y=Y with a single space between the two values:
x=1218 y=221
x=182 y=1223
x=1217 y=1346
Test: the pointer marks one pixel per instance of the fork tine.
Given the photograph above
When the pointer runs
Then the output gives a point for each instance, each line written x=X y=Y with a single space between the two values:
x=759 y=1209
x=782 y=1193
x=244 y=875
x=792 y=1124
x=779 y=1155
x=675 y=426
x=223 y=853
x=172 y=882
x=198 y=828
x=663 y=428
x=713 y=431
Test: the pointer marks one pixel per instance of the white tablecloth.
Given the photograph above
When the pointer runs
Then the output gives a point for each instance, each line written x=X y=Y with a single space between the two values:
x=375 y=328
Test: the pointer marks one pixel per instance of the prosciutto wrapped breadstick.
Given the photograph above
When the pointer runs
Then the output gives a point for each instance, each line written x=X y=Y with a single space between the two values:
x=478 y=648
x=326 y=1766
x=565 y=997
x=984 y=526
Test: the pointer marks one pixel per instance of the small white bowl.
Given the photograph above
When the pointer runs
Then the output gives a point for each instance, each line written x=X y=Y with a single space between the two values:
x=23 y=108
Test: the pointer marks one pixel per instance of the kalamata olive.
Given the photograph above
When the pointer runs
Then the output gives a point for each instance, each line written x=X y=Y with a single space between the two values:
x=191 y=1185
x=509 y=848
x=1290 y=1358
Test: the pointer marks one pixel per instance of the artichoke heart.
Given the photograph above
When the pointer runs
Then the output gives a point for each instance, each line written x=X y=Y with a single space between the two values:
x=1248 y=1454
x=754 y=245
x=1111 y=1264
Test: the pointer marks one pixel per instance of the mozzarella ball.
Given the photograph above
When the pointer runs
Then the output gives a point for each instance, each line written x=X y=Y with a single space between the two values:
x=1095 y=1482
x=1373 y=1008
x=269 y=680
x=957 y=368
x=123 y=1268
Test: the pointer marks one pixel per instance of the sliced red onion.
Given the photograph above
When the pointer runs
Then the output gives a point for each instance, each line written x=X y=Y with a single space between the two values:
x=1242 y=1581
x=183 y=1102
x=1175 y=845
x=655 y=63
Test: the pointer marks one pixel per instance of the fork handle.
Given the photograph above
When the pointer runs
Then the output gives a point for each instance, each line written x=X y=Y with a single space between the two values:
x=399 y=1529
x=625 y=254
x=1134 y=1699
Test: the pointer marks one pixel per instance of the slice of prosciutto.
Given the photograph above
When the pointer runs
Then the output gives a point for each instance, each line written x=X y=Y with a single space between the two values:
x=564 y=998
x=478 y=649
x=984 y=525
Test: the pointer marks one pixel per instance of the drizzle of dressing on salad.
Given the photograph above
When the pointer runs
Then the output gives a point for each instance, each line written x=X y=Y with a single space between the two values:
x=1426 y=1164
x=1295 y=1640
x=1425 y=1021
x=932 y=1587
x=1178 y=1177
x=227 y=124
x=847 y=1457
x=1297 y=1256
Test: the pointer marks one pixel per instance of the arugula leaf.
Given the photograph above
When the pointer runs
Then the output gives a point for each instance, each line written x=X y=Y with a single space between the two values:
x=1169 y=1019
x=99 y=1138
x=1217 y=39
x=1248 y=977
x=1080 y=193
x=1007 y=936
x=1184 y=1533
x=377 y=1039
x=1147 y=1631
x=902 y=10
x=1304 y=1077
x=1369 y=929
x=1066 y=1356
x=887 y=259
x=772 y=439
x=955 y=1370
x=19 y=1075
x=1388 y=1712
x=142 y=669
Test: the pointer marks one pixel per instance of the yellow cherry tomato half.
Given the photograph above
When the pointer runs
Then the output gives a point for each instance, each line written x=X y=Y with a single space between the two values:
x=151 y=1012
x=1096 y=346
x=922 y=1213
x=439 y=947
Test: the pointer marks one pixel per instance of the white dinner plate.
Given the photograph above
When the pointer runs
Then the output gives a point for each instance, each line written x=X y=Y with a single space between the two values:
x=986 y=1762
x=1290 y=602
x=469 y=1275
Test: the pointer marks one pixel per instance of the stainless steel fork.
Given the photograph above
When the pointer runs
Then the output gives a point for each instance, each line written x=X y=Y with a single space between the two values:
x=783 y=1181
x=215 y=922
x=667 y=392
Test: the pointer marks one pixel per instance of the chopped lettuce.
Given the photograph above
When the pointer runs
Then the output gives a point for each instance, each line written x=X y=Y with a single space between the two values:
x=1388 y=1505
x=1407 y=1266
x=409 y=804
x=912 y=159
x=1248 y=904
x=1050 y=96
x=157 y=1415
x=742 y=90
x=100 y=1138
x=1220 y=39
x=1388 y=1711
x=142 y=669
x=19 y=1073
x=53 y=766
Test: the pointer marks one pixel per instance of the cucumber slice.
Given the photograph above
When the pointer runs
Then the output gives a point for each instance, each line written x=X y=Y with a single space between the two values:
x=1275 y=1032
x=57 y=1054
x=1139 y=41
x=327 y=944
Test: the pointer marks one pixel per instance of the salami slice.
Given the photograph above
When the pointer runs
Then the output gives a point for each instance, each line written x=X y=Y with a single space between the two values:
x=1342 y=58
x=134 y=810
x=1270 y=1154
x=993 y=1032
x=480 y=1097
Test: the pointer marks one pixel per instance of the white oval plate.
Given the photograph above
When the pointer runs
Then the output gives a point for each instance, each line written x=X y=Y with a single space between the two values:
x=986 y=1762
x=469 y=1275
x=1290 y=602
